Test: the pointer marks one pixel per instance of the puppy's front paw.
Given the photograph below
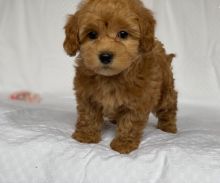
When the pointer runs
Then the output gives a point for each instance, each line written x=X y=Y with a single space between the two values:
x=89 y=138
x=124 y=146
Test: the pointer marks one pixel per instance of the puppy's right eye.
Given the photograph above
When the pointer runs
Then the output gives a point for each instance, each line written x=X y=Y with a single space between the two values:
x=93 y=35
x=123 y=34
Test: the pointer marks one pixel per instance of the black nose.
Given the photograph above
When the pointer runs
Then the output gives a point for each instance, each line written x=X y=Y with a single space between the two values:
x=106 y=57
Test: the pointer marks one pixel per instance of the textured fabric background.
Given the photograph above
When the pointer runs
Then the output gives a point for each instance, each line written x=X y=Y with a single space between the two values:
x=36 y=147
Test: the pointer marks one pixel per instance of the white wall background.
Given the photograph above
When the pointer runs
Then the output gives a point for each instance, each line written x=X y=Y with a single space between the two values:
x=32 y=57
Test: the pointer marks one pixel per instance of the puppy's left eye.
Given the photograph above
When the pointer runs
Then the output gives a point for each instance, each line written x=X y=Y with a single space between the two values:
x=93 y=35
x=123 y=34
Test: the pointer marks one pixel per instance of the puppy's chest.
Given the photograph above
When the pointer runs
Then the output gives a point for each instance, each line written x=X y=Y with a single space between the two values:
x=110 y=99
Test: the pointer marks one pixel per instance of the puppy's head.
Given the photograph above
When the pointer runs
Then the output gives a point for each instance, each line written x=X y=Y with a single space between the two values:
x=110 y=34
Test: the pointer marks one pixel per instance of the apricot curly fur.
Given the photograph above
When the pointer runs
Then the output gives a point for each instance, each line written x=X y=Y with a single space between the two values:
x=138 y=80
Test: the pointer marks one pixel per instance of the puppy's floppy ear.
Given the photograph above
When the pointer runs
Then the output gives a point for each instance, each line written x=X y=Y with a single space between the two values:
x=147 y=29
x=71 y=42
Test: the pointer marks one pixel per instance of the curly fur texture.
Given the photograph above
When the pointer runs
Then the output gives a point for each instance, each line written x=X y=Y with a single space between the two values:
x=138 y=81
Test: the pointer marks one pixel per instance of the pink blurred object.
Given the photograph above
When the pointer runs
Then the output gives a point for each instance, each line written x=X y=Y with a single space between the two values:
x=26 y=96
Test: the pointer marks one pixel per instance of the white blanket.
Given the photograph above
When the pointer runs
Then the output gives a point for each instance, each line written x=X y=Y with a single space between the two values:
x=36 y=147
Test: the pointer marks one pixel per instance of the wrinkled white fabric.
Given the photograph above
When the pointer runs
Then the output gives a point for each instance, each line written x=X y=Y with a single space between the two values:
x=36 y=147
x=35 y=140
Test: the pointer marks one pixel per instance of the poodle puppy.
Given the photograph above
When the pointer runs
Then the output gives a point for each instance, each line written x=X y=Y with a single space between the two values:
x=122 y=73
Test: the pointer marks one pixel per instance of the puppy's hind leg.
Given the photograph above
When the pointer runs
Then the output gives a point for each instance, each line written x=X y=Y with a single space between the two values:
x=166 y=114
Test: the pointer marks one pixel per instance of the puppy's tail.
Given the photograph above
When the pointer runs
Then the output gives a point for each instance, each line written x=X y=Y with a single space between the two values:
x=170 y=57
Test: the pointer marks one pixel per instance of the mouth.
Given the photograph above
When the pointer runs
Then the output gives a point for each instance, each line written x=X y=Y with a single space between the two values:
x=106 y=71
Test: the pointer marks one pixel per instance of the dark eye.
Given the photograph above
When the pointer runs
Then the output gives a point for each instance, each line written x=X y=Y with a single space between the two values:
x=93 y=35
x=122 y=34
